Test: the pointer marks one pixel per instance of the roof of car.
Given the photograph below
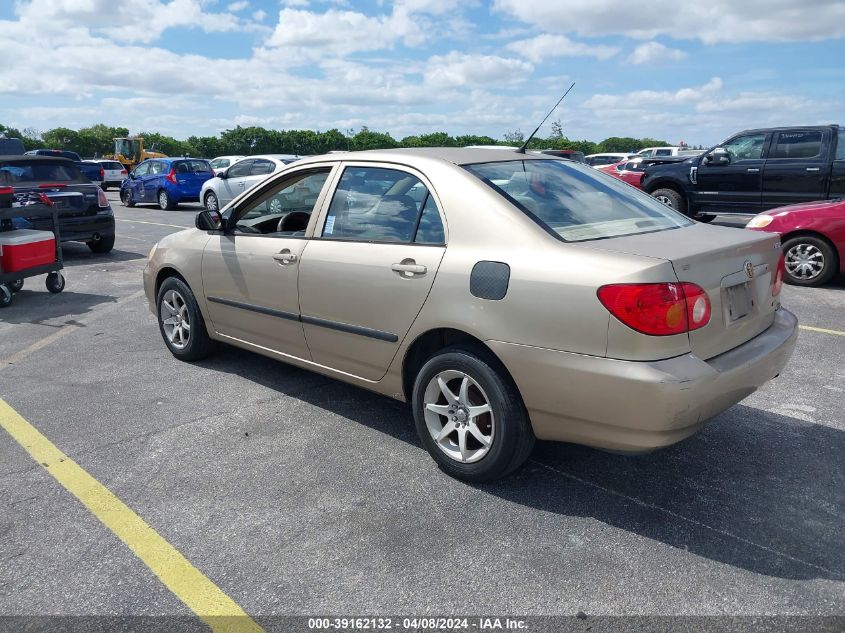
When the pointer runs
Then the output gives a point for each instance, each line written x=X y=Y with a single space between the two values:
x=455 y=155
x=34 y=157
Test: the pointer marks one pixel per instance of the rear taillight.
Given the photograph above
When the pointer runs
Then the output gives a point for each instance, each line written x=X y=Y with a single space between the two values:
x=777 y=284
x=102 y=200
x=6 y=191
x=171 y=176
x=102 y=174
x=660 y=309
x=43 y=198
x=53 y=185
x=123 y=172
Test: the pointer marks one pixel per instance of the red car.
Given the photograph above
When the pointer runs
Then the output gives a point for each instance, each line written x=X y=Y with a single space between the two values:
x=813 y=237
x=630 y=171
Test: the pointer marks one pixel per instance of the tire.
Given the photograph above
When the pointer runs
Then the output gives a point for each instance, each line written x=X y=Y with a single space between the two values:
x=102 y=246
x=175 y=299
x=510 y=436
x=705 y=218
x=671 y=198
x=165 y=202
x=809 y=260
x=104 y=187
x=5 y=296
x=126 y=198
x=211 y=202
x=16 y=285
x=55 y=282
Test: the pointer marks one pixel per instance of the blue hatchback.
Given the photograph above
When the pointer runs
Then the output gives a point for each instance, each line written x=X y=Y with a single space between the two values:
x=166 y=181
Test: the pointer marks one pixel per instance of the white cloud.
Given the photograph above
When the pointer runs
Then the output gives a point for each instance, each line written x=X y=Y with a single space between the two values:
x=655 y=52
x=259 y=15
x=712 y=21
x=460 y=69
x=237 y=6
x=546 y=46
x=639 y=98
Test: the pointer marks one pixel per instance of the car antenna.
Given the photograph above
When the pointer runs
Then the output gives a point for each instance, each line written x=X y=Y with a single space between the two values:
x=522 y=149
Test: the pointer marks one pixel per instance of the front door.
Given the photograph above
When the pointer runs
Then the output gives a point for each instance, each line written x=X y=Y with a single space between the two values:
x=235 y=182
x=736 y=187
x=797 y=167
x=136 y=183
x=250 y=273
x=367 y=272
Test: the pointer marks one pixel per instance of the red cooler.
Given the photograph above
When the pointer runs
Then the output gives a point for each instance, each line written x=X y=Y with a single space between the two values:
x=24 y=249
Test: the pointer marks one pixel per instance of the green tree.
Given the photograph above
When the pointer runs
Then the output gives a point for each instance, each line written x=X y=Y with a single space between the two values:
x=61 y=138
x=366 y=139
x=473 y=139
x=514 y=138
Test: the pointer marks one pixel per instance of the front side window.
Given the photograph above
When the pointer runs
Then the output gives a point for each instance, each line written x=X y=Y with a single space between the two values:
x=157 y=167
x=240 y=169
x=748 y=147
x=663 y=152
x=575 y=203
x=374 y=204
x=840 y=146
x=142 y=170
x=285 y=209
x=797 y=144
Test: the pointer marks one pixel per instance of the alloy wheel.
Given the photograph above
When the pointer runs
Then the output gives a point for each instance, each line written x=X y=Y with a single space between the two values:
x=176 y=319
x=458 y=416
x=211 y=202
x=162 y=200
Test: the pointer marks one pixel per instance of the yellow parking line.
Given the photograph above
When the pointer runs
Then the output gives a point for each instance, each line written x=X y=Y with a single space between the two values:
x=176 y=226
x=189 y=584
x=821 y=329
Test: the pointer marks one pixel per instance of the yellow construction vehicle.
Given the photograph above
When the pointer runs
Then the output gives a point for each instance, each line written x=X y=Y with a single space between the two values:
x=130 y=151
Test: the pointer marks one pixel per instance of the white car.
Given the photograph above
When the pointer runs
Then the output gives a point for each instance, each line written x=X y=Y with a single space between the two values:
x=606 y=158
x=222 y=162
x=114 y=173
x=241 y=176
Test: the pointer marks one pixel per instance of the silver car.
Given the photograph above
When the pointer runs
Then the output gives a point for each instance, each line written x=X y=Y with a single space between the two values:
x=241 y=176
x=505 y=296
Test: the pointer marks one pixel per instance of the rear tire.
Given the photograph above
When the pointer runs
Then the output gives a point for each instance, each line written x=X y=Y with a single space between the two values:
x=165 y=202
x=504 y=426
x=16 y=285
x=809 y=261
x=177 y=307
x=103 y=245
x=671 y=198
x=126 y=198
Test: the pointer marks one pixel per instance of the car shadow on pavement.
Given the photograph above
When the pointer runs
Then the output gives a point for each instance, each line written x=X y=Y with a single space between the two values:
x=35 y=300
x=754 y=490
x=80 y=254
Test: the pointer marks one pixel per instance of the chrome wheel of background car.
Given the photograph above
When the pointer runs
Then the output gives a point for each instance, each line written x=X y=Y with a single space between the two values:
x=664 y=199
x=459 y=416
x=804 y=261
x=163 y=201
x=275 y=205
x=175 y=319
x=211 y=203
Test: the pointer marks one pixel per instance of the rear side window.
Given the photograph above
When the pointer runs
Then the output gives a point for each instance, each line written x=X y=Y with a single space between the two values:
x=191 y=167
x=261 y=167
x=24 y=172
x=797 y=144
x=840 y=146
x=373 y=204
x=575 y=203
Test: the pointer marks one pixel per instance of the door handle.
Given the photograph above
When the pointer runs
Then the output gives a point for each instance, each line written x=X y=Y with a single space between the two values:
x=753 y=170
x=813 y=168
x=408 y=268
x=285 y=257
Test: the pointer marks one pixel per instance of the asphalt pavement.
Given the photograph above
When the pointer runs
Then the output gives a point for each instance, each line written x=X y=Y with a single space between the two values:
x=298 y=494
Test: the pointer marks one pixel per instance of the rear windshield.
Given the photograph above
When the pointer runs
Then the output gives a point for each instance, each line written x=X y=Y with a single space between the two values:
x=191 y=166
x=576 y=203
x=25 y=172
x=111 y=165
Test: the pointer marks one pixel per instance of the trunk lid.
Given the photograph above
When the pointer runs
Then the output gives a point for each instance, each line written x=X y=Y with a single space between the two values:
x=735 y=267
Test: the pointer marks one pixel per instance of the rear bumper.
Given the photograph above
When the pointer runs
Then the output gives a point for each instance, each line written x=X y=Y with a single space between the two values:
x=639 y=406
x=81 y=229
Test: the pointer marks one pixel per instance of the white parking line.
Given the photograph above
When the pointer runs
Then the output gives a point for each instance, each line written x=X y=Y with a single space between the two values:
x=177 y=226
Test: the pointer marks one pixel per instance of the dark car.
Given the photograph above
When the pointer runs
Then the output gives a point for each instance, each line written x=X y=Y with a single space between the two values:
x=85 y=214
x=166 y=181
x=753 y=171
x=11 y=146
x=93 y=171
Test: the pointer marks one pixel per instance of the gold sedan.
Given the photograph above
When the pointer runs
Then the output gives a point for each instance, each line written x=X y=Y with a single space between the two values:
x=506 y=296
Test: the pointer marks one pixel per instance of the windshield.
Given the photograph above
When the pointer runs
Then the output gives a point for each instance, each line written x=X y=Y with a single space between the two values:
x=128 y=147
x=576 y=203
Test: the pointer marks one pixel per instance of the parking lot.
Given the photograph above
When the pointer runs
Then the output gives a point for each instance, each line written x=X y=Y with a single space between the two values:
x=299 y=495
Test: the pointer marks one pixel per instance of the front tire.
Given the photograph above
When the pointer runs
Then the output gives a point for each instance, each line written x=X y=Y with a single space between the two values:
x=671 y=198
x=180 y=321
x=126 y=198
x=470 y=416
x=165 y=202
x=809 y=261
x=211 y=202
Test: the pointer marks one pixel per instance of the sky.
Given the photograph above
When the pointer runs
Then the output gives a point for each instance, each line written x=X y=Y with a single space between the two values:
x=691 y=71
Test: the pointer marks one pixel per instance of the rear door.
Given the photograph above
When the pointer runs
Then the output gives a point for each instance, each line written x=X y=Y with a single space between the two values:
x=261 y=168
x=235 y=182
x=152 y=180
x=738 y=186
x=367 y=272
x=797 y=167
x=837 y=174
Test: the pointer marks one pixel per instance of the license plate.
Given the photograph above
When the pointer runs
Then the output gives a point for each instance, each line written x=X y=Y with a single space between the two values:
x=739 y=301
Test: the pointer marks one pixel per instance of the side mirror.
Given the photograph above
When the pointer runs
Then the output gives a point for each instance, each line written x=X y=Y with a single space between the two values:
x=221 y=174
x=209 y=220
x=717 y=157
x=132 y=175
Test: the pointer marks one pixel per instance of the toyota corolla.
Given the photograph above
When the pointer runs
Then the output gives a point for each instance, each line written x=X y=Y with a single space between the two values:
x=505 y=296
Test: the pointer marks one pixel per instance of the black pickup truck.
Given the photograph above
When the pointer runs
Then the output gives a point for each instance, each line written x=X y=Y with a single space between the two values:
x=754 y=171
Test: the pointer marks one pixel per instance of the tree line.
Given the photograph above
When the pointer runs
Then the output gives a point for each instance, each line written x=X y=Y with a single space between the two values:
x=97 y=141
